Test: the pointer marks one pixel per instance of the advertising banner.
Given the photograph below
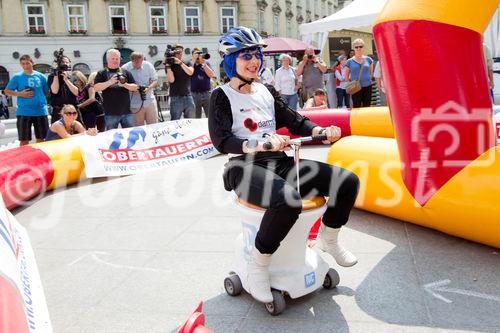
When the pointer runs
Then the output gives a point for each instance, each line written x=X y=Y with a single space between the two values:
x=23 y=307
x=132 y=150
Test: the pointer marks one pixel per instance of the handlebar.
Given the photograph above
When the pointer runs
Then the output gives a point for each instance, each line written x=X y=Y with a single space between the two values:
x=300 y=141
x=296 y=142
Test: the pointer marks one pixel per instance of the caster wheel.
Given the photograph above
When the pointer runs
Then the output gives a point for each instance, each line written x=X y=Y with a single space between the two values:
x=233 y=285
x=332 y=279
x=277 y=305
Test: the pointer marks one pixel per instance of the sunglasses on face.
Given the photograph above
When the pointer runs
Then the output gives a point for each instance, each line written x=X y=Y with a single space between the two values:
x=71 y=113
x=248 y=56
x=358 y=47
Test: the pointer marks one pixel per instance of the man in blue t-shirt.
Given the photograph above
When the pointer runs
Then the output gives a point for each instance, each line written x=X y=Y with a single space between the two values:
x=31 y=88
x=201 y=85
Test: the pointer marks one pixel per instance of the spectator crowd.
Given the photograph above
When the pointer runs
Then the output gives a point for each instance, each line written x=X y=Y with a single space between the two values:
x=125 y=95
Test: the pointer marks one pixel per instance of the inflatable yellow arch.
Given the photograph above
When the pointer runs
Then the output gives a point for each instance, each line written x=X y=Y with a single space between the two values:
x=443 y=171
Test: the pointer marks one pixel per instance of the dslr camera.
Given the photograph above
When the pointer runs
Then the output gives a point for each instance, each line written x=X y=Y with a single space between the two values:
x=121 y=78
x=142 y=92
x=170 y=53
x=205 y=56
x=59 y=60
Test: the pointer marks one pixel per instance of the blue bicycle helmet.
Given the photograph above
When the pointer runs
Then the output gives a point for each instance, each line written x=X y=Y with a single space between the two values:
x=233 y=42
x=240 y=38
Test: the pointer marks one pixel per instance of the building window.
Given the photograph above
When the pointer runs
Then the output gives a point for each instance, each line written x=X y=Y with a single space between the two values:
x=227 y=18
x=84 y=68
x=4 y=77
x=276 y=25
x=261 y=21
x=158 y=16
x=35 y=15
x=289 y=28
x=192 y=19
x=76 y=18
x=43 y=68
x=118 y=19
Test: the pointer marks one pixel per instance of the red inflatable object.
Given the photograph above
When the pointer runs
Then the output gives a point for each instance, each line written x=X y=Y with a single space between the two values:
x=441 y=112
x=12 y=315
x=24 y=173
x=324 y=118
x=195 y=323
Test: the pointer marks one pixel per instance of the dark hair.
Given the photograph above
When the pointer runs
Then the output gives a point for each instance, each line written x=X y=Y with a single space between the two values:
x=26 y=57
x=319 y=92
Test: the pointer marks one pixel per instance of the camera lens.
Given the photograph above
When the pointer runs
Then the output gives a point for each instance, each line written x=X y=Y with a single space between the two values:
x=310 y=56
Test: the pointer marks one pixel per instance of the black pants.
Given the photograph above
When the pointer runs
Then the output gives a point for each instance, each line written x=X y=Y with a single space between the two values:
x=362 y=98
x=342 y=98
x=271 y=183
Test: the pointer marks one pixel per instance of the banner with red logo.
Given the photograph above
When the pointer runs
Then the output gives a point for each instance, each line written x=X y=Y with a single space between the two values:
x=132 y=150
x=23 y=307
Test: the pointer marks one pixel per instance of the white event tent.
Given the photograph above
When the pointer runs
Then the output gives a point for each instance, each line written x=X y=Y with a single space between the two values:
x=360 y=16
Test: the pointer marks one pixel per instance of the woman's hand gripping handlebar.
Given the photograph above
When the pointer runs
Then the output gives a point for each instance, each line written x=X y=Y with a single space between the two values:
x=277 y=142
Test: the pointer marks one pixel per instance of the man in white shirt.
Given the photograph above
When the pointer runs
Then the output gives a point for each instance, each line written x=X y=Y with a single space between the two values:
x=266 y=76
x=143 y=101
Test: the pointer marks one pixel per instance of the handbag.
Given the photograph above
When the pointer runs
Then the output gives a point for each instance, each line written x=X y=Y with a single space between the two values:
x=354 y=86
x=99 y=104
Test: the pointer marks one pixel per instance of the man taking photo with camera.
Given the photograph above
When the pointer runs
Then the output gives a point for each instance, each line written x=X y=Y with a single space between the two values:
x=200 y=81
x=115 y=84
x=312 y=69
x=62 y=89
x=142 y=102
x=179 y=76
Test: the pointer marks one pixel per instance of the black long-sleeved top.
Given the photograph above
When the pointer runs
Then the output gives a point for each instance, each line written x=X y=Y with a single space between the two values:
x=220 y=121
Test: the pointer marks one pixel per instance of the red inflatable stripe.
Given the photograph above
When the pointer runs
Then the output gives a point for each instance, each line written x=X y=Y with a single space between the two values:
x=24 y=173
x=12 y=315
x=324 y=118
x=439 y=99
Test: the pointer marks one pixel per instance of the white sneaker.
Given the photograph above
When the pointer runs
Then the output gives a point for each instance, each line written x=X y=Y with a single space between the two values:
x=258 y=277
x=327 y=241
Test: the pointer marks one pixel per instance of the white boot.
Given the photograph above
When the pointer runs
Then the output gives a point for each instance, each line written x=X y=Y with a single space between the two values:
x=258 y=276
x=327 y=241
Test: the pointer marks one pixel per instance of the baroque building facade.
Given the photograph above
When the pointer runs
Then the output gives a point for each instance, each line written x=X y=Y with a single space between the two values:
x=85 y=29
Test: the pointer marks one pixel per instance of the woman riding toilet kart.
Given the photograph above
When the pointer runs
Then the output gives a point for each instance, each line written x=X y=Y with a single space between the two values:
x=243 y=119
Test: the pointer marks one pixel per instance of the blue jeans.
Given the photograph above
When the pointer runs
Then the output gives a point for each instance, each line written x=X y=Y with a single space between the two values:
x=126 y=120
x=291 y=101
x=181 y=104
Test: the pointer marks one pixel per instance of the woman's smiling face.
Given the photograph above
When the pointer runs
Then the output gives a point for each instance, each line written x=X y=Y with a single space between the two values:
x=248 y=64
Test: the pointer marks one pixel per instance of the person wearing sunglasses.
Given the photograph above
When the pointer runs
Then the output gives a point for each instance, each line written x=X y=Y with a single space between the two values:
x=354 y=65
x=244 y=116
x=67 y=125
